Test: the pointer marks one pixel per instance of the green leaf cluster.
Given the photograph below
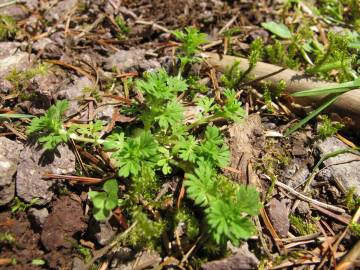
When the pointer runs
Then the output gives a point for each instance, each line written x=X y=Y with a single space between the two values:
x=158 y=147
x=191 y=39
x=49 y=127
x=228 y=207
x=104 y=202
x=135 y=153
x=230 y=110
x=160 y=91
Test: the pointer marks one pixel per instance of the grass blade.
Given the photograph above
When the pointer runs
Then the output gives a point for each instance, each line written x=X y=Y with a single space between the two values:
x=15 y=115
x=311 y=115
x=340 y=88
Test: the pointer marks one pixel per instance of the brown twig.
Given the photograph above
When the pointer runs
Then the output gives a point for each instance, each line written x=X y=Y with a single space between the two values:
x=82 y=179
x=309 y=200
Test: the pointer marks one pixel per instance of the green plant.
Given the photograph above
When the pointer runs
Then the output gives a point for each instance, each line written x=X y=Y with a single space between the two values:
x=278 y=29
x=19 y=206
x=302 y=226
x=191 y=39
x=104 y=202
x=333 y=93
x=7 y=27
x=233 y=75
x=351 y=201
x=268 y=98
x=6 y=238
x=156 y=148
x=299 y=45
x=147 y=232
x=339 y=11
x=21 y=79
x=327 y=128
x=124 y=28
x=227 y=206
x=84 y=252
x=92 y=92
x=355 y=228
x=49 y=128
x=338 y=56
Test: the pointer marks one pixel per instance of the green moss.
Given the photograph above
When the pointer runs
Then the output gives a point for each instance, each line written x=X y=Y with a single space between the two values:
x=328 y=128
x=186 y=217
x=302 y=226
x=6 y=238
x=92 y=92
x=355 y=228
x=146 y=233
x=19 y=206
x=351 y=201
x=8 y=27
x=21 y=79
x=145 y=185
x=124 y=28
x=84 y=252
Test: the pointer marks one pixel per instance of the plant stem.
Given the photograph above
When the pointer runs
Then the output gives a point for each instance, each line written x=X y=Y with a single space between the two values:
x=6 y=4
x=181 y=164
x=202 y=121
x=86 y=140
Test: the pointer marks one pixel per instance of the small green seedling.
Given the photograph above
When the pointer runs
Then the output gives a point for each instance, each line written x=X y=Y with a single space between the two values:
x=104 y=202
x=233 y=75
x=124 y=28
x=327 y=128
x=191 y=39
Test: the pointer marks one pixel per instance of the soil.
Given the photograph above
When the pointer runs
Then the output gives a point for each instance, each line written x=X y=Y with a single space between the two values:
x=83 y=45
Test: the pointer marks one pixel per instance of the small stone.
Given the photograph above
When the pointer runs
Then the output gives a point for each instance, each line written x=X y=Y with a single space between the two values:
x=121 y=255
x=78 y=264
x=73 y=92
x=279 y=216
x=9 y=158
x=242 y=260
x=60 y=10
x=103 y=232
x=295 y=173
x=5 y=86
x=131 y=60
x=143 y=260
x=341 y=169
x=303 y=208
x=12 y=58
x=18 y=12
x=64 y=222
x=38 y=216
x=34 y=164
x=40 y=44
